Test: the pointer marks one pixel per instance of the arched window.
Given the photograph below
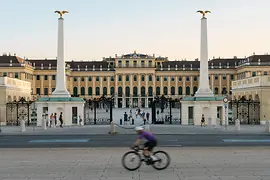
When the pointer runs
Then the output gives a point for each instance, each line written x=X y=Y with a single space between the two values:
x=157 y=91
x=187 y=90
x=150 y=91
x=143 y=91
x=180 y=90
x=165 y=91
x=134 y=78
x=224 y=90
x=82 y=91
x=75 y=91
x=97 y=91
x=195 y=89
x=142 y=78
x=104 y=90
x=112 y=91
x=172 y=90
x=120 y=91
x=216 y=90
x=135 y=91
x=127 y=91
x=90 y=91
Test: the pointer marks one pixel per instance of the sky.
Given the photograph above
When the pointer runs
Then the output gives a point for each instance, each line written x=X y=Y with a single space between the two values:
x=101 y=28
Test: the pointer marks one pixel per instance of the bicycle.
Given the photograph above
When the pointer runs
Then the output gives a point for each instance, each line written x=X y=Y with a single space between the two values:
x=137 y=154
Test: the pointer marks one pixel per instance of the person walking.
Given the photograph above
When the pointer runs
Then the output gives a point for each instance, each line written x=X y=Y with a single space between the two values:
x=61 y=119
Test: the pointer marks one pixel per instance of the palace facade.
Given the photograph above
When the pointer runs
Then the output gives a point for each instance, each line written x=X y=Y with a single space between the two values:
x=133 y=79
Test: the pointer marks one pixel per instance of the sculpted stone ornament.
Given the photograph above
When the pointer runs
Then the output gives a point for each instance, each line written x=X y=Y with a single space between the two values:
x=61 y=13
x=203 y=13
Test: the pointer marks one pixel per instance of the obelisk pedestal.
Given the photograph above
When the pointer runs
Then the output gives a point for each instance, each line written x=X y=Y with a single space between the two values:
x=204 y=89
x=61 y=89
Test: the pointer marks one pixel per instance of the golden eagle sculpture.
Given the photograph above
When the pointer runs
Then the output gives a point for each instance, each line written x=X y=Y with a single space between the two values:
x=203 y=12
x=61 y=13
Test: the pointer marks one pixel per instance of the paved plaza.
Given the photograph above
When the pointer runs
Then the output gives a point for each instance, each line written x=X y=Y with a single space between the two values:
x=105 y=163
x=129 y=129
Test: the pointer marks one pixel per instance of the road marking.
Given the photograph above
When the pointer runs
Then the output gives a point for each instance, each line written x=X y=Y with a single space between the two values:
x=245 y=140
x=171 y=145
x=173 y=140
x=59 y=141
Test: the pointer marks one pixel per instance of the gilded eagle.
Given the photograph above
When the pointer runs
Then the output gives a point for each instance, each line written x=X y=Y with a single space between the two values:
x=203 y=12
x=61 y=13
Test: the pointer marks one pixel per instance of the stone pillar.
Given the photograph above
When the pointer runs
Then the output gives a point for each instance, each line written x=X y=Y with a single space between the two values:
x=176 y=86
x=184 y=85
x=220 y=84
x=228 y=83
x=42 y=85
x=86 y=86
x=50 y=84
x=161 y=85
x=204 y=90
x=61 y=88
x=124 y=91
x=191 y=85
x=34 y=85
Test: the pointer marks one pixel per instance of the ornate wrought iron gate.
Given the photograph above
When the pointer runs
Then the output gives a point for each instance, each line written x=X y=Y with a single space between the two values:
x=247 y=111
x=98 y=110
x=17 y=111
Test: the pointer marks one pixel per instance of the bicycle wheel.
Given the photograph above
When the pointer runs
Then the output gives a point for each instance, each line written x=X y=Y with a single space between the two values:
x=163 y=160
x=134 y=158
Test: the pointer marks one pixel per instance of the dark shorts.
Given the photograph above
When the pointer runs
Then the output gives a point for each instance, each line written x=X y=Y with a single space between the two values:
x=150 y=145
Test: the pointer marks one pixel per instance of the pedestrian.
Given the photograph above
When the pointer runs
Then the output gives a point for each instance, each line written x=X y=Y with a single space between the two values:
x=80 y=120
x=51 y=120
x=55 y=119
x=147 y=116
x=125 y=118
x=203 y=120
x=61 y=119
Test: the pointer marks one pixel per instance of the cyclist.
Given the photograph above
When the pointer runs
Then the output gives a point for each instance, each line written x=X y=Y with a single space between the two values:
x=149 y=145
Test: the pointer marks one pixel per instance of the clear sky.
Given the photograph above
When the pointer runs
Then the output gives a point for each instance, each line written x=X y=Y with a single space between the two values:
x=103 y=28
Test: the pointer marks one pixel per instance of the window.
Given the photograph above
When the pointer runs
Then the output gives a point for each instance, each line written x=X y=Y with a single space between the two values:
x=253 y=74
x=142 y=78
x=150 y=91
x=90 y=91
x=112 y=78
x=172 y=90
x=127 y=63
x=46 y=91
x=150 y=63
x=104 y=78
x=195 y=78
x=150 y=78
x=224 y=77
x=224 y=90
x=135 y=78
x=195 y=89
x=75 y=79
x=172 y=78
x=46 y=77
x=120 y=78
x=158 y=91
x=216 y=77
x=127 y=77
x=216 y=90
x=143 y=91
x=142 y=63
x=127 y=91
x=232 y=77
x=120 y=63
x=187 y=78
x=135 y=63
x=75 y=91
x=16 y=75
x=265 y=73
x=38 y=77
x=38 y=91
x=97 y=91
x=82 y=91
x=97 y=78
x=82 y=79
x=135 y=91
x=89 y=78
x=104 y=90
x=180 y=90
x=165 y=90
x=179 y=78
x=158 y=78
x=187 y=90
x=120 y=91
x=53 y=77
x=165 y=78
x=112 y=91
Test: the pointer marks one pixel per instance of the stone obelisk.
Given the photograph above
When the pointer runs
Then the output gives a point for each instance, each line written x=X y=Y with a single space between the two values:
x=60 y=90
x=204 y=89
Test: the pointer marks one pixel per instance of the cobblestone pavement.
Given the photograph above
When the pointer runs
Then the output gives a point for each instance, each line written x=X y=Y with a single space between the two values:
x=104 y=163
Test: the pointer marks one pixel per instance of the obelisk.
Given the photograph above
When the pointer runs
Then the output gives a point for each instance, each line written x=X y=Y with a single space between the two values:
x=60 y=90
x=204 y=89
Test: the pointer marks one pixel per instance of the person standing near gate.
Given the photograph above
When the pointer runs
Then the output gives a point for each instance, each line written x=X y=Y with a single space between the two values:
x=61 y=119
x=125 y=118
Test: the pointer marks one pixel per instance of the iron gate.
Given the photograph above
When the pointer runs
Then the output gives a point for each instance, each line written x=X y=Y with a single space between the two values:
x=247 y=111
x=17 y=111
x=98 y=111
x=166 y=110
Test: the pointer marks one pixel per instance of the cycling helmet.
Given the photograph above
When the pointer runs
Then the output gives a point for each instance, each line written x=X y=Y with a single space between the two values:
x=139 y=128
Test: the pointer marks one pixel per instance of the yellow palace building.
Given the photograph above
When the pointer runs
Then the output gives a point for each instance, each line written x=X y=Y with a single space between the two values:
x=133 y=79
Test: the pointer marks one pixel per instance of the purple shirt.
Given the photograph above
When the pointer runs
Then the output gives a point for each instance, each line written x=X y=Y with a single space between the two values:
x=147 y=135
